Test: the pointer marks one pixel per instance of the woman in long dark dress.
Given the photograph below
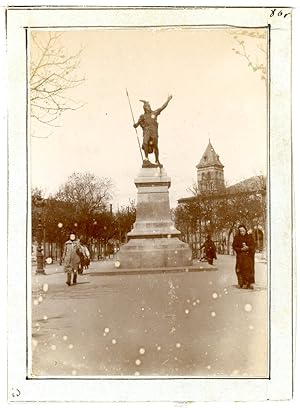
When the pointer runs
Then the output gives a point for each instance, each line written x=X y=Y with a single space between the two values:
x=209 y=249
x=244 y=246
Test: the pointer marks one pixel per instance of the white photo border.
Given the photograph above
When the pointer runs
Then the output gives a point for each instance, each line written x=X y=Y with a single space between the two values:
x=280 y=253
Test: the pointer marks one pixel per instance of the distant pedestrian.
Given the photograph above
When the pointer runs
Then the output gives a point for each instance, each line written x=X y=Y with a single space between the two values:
x=244 y=247
x=85 y=257
x=210 y=252
x=71 y=258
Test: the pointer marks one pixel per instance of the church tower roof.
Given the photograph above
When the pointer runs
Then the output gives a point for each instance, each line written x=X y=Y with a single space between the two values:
x=210 y=158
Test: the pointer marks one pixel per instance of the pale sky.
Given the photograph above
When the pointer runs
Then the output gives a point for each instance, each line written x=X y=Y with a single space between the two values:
x=216 y=95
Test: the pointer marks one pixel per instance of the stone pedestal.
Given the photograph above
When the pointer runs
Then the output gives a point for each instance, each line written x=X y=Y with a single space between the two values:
x=154 y=241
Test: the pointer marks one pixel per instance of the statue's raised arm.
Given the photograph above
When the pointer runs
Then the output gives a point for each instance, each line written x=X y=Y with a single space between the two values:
x=159 y=110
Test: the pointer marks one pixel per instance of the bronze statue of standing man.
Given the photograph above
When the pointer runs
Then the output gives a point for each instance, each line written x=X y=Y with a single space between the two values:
x=149 y=124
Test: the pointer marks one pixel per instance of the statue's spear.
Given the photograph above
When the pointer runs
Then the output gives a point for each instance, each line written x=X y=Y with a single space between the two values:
x=134 y=123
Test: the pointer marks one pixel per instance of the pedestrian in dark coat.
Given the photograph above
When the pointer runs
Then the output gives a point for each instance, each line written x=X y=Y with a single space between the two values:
x=209 y=249
x=71 y=258
x=244 y=247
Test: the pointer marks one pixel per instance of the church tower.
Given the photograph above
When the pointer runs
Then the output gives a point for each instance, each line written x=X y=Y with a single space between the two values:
x=210 y=174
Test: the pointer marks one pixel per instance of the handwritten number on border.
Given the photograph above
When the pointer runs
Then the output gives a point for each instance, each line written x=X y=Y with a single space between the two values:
x=279 y=13
x=15 y=392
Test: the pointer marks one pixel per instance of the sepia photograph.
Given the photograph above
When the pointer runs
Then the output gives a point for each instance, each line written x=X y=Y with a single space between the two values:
x=149 y=177
x=148 y=198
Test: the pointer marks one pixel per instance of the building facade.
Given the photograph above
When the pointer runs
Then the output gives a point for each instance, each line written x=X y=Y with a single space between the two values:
x=210 y=171
x=217 y=210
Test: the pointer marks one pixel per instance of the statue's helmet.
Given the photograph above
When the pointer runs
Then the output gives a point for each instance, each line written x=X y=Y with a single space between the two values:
x=146 y=104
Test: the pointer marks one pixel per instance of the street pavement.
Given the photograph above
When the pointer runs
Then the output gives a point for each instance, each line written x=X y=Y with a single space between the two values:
x=196 y=324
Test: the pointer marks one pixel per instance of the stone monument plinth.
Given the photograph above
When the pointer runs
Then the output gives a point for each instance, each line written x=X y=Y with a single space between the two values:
x=154 y=241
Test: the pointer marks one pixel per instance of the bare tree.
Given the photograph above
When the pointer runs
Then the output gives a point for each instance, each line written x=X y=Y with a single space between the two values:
x=194 y=189
x=87 y=192
x=52 y=75
x=252 y=46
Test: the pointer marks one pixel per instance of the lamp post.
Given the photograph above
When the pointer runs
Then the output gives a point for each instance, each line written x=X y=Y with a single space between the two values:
x=60 y=225
x=40 y=256
x=95 y=237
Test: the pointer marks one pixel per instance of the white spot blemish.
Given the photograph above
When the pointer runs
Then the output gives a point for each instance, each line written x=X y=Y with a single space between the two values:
x=194 y=303
x=248 y=307
x=53 y=347
x=117 y=264
x=198 y=301
x=186 y=311
x=137 y=373
x=178 y=345
x=45 y=317
x=158 y=347
x=106 y=330
x=34 y=342
x=74 y=372
x=65 y=337
x=251 y=327
x=138 y=362
x=45 y=287
x=213 y=314
x=40 y=299
x=35 y=302
x=114 y=341
x=71 y=346
x=142 y=350
x=208 y=367
x=188 y=300
x=210 y=282
x=214 y=295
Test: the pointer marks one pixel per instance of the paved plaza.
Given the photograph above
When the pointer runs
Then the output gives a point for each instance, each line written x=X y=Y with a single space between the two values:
x=161 y=323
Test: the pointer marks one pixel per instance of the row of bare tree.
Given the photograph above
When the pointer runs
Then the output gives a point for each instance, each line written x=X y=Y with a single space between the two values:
x=222 y=211
x=82 y=205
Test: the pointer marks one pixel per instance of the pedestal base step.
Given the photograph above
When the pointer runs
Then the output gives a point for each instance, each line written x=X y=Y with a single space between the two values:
x=154 y=253
x=179 y=269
